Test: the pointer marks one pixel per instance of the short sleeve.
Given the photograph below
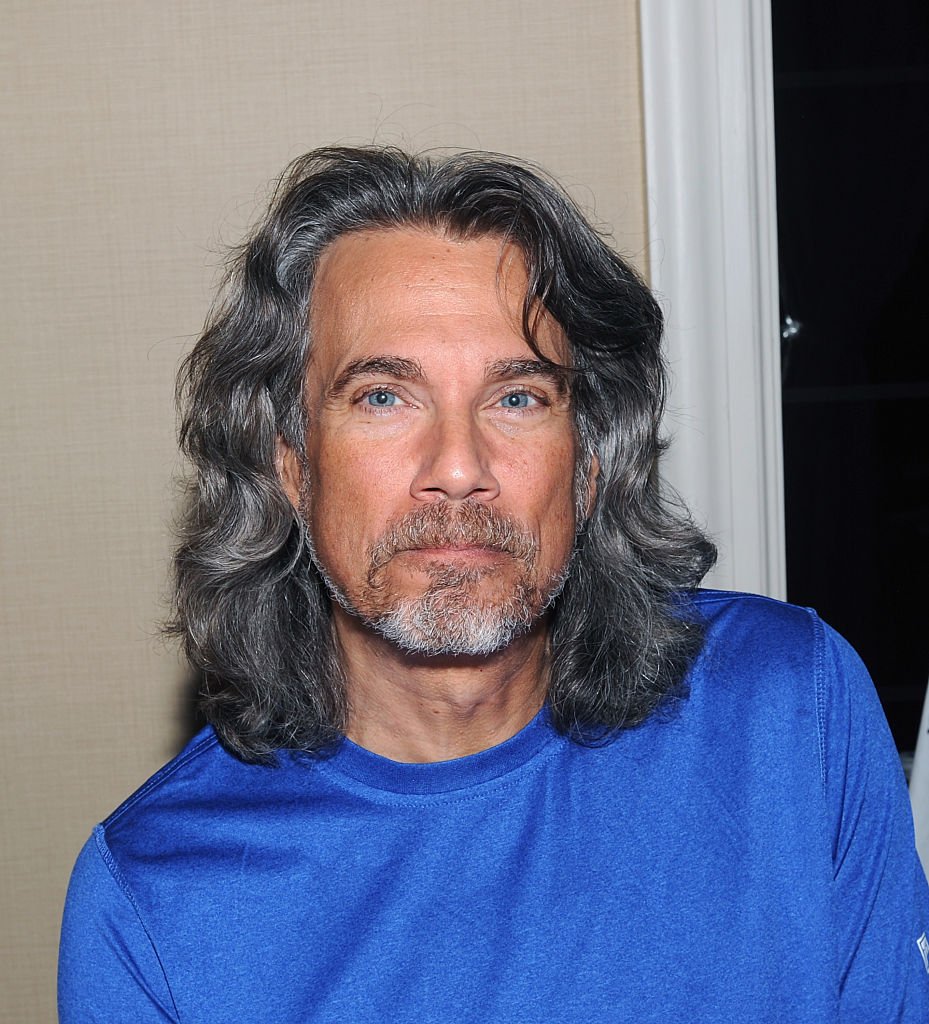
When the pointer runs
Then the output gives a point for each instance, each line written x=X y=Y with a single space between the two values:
x=108 y=969
x=880 y=895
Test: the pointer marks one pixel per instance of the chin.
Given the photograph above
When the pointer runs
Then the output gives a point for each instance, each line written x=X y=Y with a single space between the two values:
x=425 y=628
x=463 y=617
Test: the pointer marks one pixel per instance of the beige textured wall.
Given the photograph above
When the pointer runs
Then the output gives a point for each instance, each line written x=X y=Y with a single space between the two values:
x=137 y=137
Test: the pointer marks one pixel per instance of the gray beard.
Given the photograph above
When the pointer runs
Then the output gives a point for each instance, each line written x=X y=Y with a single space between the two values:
x=451 y=617
x=446 y=620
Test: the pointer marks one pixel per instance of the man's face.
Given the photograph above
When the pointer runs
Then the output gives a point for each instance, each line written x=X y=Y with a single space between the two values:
x=438 y=486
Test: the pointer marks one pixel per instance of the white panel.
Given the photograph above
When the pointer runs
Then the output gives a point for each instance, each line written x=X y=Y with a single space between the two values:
x=708 y=102
x=919 y=787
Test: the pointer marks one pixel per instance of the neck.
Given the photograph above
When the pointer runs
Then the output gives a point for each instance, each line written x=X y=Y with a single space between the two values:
x=414 y=708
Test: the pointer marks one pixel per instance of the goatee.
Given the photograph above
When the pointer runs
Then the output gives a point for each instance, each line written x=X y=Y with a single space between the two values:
x=460 y=612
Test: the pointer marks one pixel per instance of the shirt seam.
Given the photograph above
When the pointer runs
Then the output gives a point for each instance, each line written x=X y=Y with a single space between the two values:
x=106 y=855
x=476 y=791
x=819 y=683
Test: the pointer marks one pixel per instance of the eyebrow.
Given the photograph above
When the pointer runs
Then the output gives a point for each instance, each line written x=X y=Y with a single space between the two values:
x=510 y=369
x=390 y=366
x=411 y=370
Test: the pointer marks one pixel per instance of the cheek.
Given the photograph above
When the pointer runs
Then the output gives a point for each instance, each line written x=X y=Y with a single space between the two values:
x=353 y=466
x=335 y=466
x=543 y=494
x=558 y=534
x=348 y=499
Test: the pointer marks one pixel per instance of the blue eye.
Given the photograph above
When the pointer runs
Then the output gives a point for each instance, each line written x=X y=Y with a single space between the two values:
x=516 y=400
x=381 y=399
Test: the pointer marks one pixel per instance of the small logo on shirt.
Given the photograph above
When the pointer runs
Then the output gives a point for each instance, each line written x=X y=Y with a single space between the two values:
x=923 y=944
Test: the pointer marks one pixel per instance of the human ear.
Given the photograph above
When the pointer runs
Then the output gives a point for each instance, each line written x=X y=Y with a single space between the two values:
x=289 y=468
x=593 y=472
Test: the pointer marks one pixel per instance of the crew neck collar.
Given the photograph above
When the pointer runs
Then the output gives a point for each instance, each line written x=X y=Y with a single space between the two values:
x=443 y=776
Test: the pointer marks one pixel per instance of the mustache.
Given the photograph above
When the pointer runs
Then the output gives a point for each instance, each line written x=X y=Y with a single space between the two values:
x=470 y=524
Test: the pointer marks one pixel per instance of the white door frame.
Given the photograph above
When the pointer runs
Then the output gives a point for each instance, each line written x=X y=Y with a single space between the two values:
x=709 y=131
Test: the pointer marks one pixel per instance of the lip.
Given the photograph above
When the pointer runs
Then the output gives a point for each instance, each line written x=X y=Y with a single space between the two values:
x=456 y=551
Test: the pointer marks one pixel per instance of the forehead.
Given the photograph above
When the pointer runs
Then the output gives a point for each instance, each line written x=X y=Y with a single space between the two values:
x=398 y=284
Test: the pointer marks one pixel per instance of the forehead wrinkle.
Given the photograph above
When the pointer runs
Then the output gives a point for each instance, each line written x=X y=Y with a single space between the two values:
x=391 y=366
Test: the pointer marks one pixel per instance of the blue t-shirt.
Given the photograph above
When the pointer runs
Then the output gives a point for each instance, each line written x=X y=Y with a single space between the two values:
x=745 y=856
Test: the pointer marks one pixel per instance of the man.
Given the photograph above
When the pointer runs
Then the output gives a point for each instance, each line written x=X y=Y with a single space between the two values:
x=478 y=749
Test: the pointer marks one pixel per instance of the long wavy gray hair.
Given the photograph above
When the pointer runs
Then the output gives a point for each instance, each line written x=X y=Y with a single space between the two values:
x=251 y=607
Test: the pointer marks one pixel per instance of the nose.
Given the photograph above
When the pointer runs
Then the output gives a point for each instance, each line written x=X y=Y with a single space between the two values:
x=455 y=463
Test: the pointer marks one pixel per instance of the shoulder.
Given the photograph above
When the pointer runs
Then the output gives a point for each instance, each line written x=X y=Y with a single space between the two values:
x=776 y=675
x=765 y=638
x=191 y=801
x=733 y=612
x=199 y=758
x=754 y=641
x=771 y=631
x=778 y=672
